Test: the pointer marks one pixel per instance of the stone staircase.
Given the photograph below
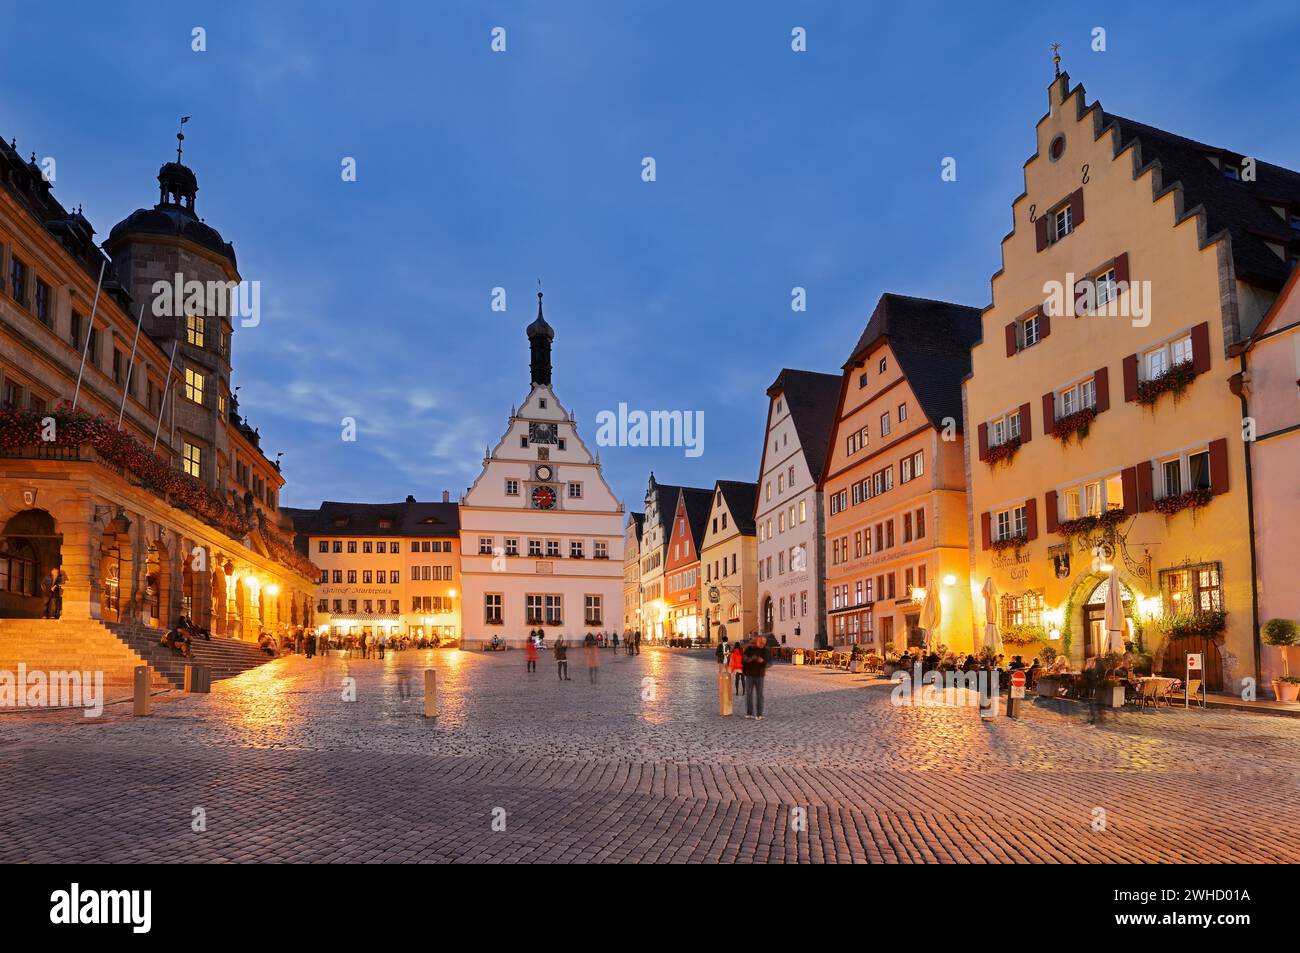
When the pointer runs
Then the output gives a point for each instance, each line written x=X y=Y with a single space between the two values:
x=71 y=645
x=225 y=657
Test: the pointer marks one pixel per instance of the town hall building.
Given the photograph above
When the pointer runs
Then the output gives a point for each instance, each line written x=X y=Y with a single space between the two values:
x=541 y=532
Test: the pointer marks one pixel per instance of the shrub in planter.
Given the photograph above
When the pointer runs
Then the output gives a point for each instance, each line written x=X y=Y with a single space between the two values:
x=1075 y=425
x=1173 y=381
x=1002 y=452
x=1283 y=633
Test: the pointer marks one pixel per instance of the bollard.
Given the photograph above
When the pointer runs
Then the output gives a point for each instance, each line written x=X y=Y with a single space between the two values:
x=198 y=678
x=430 y=693
x=143 y=700
x=724 y=694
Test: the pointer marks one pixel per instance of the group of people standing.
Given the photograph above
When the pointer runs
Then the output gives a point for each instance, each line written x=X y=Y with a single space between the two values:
x=592 y=643
x=747 y=663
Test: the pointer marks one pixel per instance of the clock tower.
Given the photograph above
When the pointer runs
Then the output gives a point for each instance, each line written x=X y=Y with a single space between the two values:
x=541 y=532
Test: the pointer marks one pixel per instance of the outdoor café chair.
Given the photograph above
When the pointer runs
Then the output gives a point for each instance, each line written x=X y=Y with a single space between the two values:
x=1196 y=691
x=1150 y=690
x=1168 y=689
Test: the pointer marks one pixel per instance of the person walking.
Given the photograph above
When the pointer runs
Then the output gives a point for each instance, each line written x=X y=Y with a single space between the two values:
x=530 y=653
x=756 y=658
x=52 y=585
x=736 y=664
x=310 y=643
x=638 y=641
x=592 y=652
x=1093 y=675
x=562 y=658
x=614 y=641
x=723 y=654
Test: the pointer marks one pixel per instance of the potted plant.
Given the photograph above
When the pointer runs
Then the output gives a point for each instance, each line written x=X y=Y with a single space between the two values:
x=1283 y=633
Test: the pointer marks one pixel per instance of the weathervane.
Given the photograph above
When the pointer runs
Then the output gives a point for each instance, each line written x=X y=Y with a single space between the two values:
x=1056 y=57
x=180 y=138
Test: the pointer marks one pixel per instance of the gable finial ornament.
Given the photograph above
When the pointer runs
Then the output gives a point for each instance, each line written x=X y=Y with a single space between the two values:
x=1056 y=59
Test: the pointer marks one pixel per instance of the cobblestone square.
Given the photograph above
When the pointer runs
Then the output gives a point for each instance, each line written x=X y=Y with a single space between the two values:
x=637 y=768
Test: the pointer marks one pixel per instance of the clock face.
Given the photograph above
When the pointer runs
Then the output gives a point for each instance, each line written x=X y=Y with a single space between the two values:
x=544 y=472
x=543 y=498
x=541 y=433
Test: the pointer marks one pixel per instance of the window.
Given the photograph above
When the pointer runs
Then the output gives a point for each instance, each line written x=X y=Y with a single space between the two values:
x=485 y=545
x=780 y=483
x=512 y=546
x=1181 y=351
x=193 y=385
x=367 y=577
x=352 y=577
x=1105 y=287
x=1080 y=396
x=1025 y=608
x=1011 y=523
x=592 y=610
x=882 y=366
x=512 y=487
x=367 y=546
x=74 y=330
x=492 y=608
x=902 y=412
x=803 y=511
x=1028 y=331
x=575 y=491
x=884 y=424
x=18 y=280
x=553 y=548
x=920 y=524
x=1158 y=361
x=576 y=549
x=338 y=576
x=193 y=461
x=323 y=546
x=1061 y=223
x=541 y=403
x=1004 y=429
x=1183 y=473
x=338 y=546
x=534 y=547
x=42 y=304
x=1192 y=589
x=194 y=330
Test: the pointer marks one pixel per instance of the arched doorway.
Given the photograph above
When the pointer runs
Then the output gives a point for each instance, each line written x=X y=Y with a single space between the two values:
x=30 y=547
x=767 y=615
x=1094 y=618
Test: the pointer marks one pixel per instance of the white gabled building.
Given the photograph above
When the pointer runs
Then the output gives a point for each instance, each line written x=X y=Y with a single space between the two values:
x=788 y=514
x=541 y=532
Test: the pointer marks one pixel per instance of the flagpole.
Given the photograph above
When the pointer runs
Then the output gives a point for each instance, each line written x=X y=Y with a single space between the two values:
x=130 y=366
x=167 y=386
x=90 y=329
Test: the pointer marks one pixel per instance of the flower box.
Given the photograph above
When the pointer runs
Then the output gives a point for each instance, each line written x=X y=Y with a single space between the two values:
x=1074 y=425
x=1173 y=381
x=1002 y=452
x=1191 y=500
x=1009 y=542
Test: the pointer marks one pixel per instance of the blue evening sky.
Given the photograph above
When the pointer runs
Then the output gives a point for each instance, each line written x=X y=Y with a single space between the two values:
x=476 y=170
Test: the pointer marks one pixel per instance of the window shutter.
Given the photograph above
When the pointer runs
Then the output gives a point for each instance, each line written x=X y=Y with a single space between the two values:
x=1049 y=413
x=1051 y=505
x=1101 y=384
x=1040 y=232
x=984 y=441
x=1076 y=208
x=1026 y=425
x=986 y=529
x=1218 y=466
x=1121 y=268
x=1144 y=492
x=1130 y=378
x=1031 y=518
x=1044 y=322
x=1128 y=478
x=1201 y=348
x=1011 y=339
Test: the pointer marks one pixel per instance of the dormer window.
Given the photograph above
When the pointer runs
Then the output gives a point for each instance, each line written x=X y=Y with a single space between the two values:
x=1230 y=172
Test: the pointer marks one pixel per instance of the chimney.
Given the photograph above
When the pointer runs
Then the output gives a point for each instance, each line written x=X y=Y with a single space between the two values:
x=446 y=496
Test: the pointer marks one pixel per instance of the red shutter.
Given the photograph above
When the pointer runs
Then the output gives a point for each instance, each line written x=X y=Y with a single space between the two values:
x=1011 y=339
x=1040 y=232
x=1076 y=208
x=1201 y=348
x=1031 y=518
x=1144 y=493
x=1101 y=384
x=986 y=529
x=1218 y=466
x=1130 y=378
x=1049 y=413
x=1044 y=322
x=1026 y=426
x=984 y=441
x=1051 y=506
x=1128 y=478
x=1121 y=269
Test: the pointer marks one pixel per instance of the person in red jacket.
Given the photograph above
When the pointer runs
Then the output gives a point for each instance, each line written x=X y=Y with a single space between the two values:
x=530 y=652
x=737 y=669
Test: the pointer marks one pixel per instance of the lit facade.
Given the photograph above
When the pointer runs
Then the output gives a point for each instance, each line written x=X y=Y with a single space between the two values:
x=174 y=510
x=391 y=568
x=632 y=572
x=729 y=559
x=893 y=484
x=682 y=565
x=788 y=513
x=1105 y=435
x=541 y=531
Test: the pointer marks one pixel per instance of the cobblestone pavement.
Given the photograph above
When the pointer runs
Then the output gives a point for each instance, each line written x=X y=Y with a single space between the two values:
x=637 y=768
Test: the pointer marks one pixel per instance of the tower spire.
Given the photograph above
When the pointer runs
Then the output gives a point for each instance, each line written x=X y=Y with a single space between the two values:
x=540 y=336
x=1056 y=59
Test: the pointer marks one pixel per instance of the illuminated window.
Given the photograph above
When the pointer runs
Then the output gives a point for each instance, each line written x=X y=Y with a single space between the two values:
x=193 y=461
x=193 y=385
x=194 y=330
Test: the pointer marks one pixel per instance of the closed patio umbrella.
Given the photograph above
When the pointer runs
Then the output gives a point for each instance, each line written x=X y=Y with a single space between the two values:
x=992 y=640
x=931 y=614
x=1114 y=617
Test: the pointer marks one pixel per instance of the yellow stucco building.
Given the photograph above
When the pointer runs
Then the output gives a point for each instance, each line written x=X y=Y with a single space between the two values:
x=1106 y=440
